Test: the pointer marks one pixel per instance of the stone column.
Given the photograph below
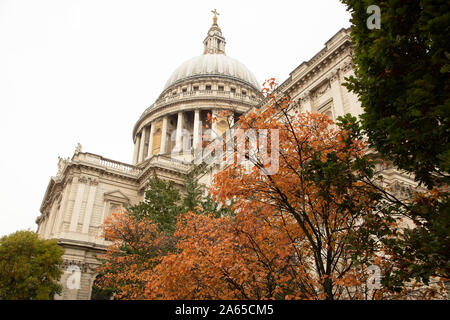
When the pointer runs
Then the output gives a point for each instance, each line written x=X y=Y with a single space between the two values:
x=51 y=220
x=150 y=143
x=196 y=134
x=89 y=207
x=62 y=207
x=77 y=206
x=163 y=136
x=306 y=101
x=179 y=133
x=45 y=228
x=214 y=123
x=42 y=227
x=141 y=147
x=136 y=149
x=103 y=218
x=231 y=120
x=336 y=93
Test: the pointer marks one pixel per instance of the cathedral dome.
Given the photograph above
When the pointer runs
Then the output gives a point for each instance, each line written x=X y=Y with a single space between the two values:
x=215 y=64
x=198 y=91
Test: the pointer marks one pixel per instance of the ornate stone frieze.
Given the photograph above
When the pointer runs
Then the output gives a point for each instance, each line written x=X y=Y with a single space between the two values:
x=334 y=75
x=322 y=89
x=305 y=97
x=347 y=66
x=402 y=190
x=88 y=180
x=84 y=266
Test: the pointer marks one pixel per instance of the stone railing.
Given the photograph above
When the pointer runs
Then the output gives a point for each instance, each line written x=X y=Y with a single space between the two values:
x=108 y=164
x=201 y=94
x=169 y=162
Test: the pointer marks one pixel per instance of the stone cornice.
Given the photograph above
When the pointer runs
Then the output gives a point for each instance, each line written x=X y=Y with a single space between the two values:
x=207 y=77
x=136 y=176
x=71 y=243
x=162 y=163
x=54 y=188
x=337 y=46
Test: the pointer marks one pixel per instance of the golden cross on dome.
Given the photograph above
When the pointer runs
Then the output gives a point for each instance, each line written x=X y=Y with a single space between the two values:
x=215 y=15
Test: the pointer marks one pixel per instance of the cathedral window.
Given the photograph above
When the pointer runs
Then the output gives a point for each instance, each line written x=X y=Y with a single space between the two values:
x=244 y=92
x=208 y=87
x=233 y=90
x=220 y=88
x=195 y=88
x=329 y=115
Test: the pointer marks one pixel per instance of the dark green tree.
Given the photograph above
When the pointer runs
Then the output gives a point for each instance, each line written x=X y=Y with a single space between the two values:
x=161 y=204
x=29 y=267
x=194 y=191
x=417 y=253
x=195 y=197
x=402 y=80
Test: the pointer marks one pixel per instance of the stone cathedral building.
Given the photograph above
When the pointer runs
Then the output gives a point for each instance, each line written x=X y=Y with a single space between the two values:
x=88 y=187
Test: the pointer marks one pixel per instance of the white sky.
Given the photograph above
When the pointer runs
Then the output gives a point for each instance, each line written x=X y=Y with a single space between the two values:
x=84 y=71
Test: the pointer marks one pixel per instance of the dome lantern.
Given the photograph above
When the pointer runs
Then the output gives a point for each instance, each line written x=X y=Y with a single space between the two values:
x=214 y=42
x=212 y=63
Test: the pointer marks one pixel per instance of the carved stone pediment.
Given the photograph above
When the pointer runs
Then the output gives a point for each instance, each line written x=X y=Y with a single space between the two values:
x=116 y=195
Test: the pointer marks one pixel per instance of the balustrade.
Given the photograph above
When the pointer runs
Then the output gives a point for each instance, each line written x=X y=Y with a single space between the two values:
x=109 y=164
x=194 y=94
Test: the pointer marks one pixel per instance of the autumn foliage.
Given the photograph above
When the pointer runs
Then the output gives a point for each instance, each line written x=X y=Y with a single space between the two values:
x=137 y=247
x=286 y=235
x=287 y=239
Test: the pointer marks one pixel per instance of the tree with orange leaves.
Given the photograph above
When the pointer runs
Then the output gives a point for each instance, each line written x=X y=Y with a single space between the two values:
x=140 y=237
x=247 y=256
x=324 y=180
x=137 y=247
x=288 y=228
x=318 y=185
x=143 y=235
x=288 y=237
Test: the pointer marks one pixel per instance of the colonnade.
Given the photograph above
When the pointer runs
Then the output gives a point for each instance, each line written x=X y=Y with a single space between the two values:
x=156 y=133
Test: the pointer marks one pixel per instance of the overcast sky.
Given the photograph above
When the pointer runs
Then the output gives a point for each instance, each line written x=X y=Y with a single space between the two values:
x=84 y=71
